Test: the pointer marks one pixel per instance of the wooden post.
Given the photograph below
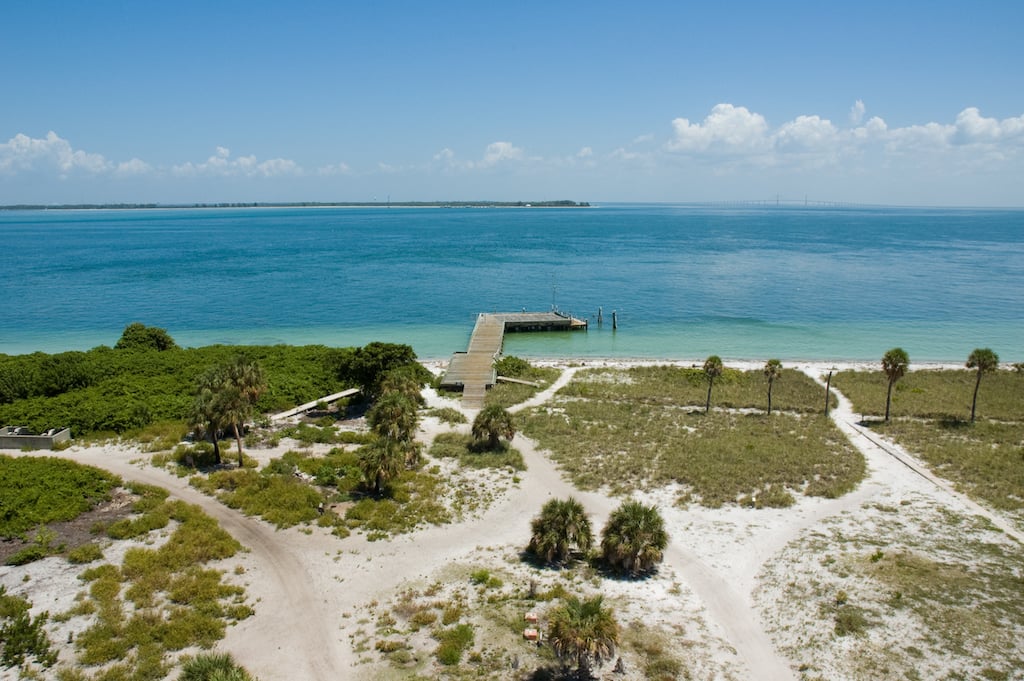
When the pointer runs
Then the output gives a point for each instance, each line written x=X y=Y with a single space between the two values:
x=615 y=320
x=600 y=316
x=828 y=389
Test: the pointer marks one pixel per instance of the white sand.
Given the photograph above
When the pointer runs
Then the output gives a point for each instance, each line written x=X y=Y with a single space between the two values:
x=716 y=593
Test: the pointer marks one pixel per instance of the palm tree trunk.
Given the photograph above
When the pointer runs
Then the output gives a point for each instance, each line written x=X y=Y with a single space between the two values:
x=216 y=447
x=888 y=400
x=238 y=439
x=707 y=404
x=974 y=400
x=769 y=398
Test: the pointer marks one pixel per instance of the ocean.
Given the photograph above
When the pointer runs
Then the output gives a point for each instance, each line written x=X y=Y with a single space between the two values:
x=685 y=281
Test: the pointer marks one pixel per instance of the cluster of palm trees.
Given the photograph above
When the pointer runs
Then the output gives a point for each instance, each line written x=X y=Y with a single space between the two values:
x=895 y=363
x=393 y=418
x=225 y=397
x=633 y=542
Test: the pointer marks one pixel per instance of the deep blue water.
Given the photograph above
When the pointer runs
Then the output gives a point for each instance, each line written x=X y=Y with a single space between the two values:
x=685 y=281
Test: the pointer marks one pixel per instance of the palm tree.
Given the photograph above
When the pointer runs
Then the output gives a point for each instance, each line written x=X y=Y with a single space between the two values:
x=561 y=527
x=381 y=462
x=634 y=539
x=894 y=364
x=248 y=376
x=405 y=380
x=393 y=417
x=712 y=369
x=582 y=632
x=225 y=397
x=772 y=371
x=985 y=361
x=207 y=416
x=492 y=423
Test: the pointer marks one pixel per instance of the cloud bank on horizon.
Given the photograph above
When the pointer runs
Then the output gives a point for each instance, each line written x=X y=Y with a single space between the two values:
x=731 y=143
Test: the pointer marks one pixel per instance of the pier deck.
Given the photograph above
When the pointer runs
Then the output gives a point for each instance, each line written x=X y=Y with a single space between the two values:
x=473 y=370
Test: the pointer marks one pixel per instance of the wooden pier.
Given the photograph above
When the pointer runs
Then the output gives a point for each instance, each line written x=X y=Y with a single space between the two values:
x=473 y=372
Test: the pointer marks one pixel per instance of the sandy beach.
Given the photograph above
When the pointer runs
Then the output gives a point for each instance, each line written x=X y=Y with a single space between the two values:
x=727 y=597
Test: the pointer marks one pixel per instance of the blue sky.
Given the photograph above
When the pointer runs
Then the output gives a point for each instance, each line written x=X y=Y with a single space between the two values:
x=918 y=103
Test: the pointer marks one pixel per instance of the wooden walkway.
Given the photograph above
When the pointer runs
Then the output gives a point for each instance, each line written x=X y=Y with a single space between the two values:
x=309 y=405
x=473 y=370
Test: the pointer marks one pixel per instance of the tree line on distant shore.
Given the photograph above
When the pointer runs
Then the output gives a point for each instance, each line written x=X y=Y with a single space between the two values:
x=305 y=204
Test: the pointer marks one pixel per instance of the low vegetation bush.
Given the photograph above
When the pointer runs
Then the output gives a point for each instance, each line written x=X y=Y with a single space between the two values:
x=22 y=637
x=36 y=490
x=212 y=667
x=448 y=415
x=176 y=602
x=86 y=553
x=276 y=496
x=452 y=643
x=126 y=390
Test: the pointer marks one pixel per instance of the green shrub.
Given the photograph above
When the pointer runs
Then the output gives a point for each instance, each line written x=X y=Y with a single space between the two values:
x=453 y=642
x=22 y=636
x=29 y=554
x=448 y=415
x=212 y=667
x=511 y=366
x=36 y=490
x=850 y=620
x=86 y=553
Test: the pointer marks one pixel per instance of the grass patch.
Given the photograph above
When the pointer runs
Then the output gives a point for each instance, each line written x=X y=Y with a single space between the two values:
x=461 y=447
x=985 y=460
x=938 y=394
x=283 y=500
x=308 y=433
x=452 y=643
x=942 y=600
x=654 y=648
x=158 y=601
x=448 y=415
x=509 y=394
x=646 y=439
x=681 y=387
x=413 y=503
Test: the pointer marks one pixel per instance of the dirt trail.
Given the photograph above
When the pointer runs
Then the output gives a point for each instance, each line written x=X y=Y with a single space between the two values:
x=291 y=634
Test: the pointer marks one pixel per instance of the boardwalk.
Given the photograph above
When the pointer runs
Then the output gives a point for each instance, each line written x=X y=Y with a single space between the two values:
x=473 y=370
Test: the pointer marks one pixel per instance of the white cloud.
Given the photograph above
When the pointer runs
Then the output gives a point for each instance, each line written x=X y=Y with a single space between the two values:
x=222 y=165
x=806 y=132
x=728 y=128
x=585 y=152
x=133 y=167
x=334 y=169
x=446 y=155
x=643 y=139
x=973 y=128
x=857 y=112
x=24 y=153
x=732 y=136
x=498 y=152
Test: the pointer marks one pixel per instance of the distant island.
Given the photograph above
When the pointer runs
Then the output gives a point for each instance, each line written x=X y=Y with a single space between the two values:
x=306 y=204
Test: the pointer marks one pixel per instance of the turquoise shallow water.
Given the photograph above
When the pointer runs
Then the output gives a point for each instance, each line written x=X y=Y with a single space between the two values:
x=686 y=281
